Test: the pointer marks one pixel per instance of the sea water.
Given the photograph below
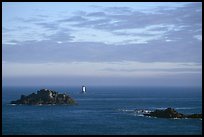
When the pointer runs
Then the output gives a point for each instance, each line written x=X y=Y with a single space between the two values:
x=103 y=111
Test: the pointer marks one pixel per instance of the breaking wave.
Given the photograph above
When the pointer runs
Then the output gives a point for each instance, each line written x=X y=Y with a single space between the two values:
x=136 y=112
x=177 y=108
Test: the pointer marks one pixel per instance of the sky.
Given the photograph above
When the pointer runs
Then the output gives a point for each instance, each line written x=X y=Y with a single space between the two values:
x=102 y=43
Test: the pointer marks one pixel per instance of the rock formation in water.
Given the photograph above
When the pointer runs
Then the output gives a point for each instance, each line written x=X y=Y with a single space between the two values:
x=171 y=113
x=45 y=96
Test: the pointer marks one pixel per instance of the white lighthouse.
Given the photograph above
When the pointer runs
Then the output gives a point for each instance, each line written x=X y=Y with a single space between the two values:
x=83 y=89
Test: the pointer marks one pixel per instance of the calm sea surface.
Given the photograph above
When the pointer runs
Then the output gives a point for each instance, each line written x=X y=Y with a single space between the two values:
x=103 y=111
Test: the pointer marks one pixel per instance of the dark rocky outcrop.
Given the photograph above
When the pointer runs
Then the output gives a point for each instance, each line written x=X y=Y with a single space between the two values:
x=194 y=116
x=171 y=113
x=45 y=96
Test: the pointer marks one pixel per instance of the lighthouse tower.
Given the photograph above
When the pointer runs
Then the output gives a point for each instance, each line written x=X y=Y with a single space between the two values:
x=83 y=89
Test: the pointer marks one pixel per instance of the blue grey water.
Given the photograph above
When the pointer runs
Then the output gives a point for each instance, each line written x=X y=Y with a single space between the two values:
x=103 y=111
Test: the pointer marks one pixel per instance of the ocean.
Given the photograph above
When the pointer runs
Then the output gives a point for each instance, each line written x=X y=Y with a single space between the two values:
x=103 y=111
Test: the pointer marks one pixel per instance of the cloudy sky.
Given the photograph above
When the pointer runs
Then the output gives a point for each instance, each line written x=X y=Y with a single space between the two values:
x=99 y=43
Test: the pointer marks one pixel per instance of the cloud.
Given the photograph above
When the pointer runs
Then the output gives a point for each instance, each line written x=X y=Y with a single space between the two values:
x=5 y=30
x=199 y=37
x=61 y=35
x=73 y=19
x=96 y=14
x=92 y=23
x=172 y=24
x=50 y=26
x=120 y=24
x=32 y=19
x=118 y=10
x=135 y=19
x=122 y=69
x=113 y=38
x=50 y=50
x=181 y=81
x=173 y=70
x=166 y=35
x=96 y=73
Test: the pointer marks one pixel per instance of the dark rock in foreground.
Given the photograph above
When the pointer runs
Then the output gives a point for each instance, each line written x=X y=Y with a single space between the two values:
x=171 y=113
x=45 y=96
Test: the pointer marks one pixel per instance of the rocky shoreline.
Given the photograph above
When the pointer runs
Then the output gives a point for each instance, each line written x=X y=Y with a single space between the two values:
x=45 y=97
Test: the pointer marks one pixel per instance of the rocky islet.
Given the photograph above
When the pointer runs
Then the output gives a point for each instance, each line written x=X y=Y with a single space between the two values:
x=45 y=96
x=170 y=113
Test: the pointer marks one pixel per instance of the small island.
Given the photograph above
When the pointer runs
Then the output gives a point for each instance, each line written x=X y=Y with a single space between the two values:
x=43 y=97
x=171 y=113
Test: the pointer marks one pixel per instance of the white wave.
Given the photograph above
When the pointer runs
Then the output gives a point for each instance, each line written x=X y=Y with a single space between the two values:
x=126 y=110
x=140 y=115
x=136 y=111
x=159 y=107
x=143 y=111
x=174 y=108
x=151 y=117
x=176 y=118
x=186 y=107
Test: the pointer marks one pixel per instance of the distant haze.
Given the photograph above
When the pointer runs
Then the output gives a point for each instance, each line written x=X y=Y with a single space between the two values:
x=102 y=44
